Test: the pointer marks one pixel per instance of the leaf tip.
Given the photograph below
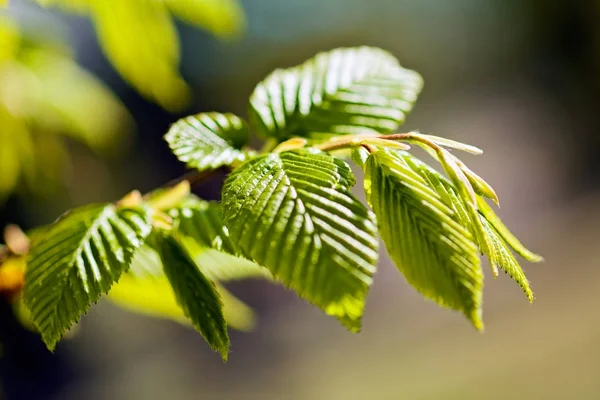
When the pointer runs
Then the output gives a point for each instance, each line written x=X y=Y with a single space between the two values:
x=224 y=354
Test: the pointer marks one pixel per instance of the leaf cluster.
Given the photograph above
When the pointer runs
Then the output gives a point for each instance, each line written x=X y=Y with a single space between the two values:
x=287 y=212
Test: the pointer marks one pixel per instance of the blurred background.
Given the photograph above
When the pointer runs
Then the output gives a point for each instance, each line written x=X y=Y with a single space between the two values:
x=520 y=79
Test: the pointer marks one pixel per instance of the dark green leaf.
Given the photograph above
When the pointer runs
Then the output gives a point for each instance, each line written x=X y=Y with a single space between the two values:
x=79 y=258
x=195 y=293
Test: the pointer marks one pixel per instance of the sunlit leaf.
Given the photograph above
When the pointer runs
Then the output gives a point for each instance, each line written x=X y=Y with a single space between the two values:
x=435 y=253
x=294 y=214
x=344 y=91
x=502 y=257
x=499 y=252
x=209 y=140
x=505 y=233
x=82 y=254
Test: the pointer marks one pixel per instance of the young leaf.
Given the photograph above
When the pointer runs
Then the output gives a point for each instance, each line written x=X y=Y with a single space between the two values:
x=195 y=293
x=499 y=255
x=344 y=91
x=469 y=198
x=489 y=214
x=145 y=289
x=208 y=140
x=294 y=213
x=504 y=259
x=436 y=254
x=80 y=257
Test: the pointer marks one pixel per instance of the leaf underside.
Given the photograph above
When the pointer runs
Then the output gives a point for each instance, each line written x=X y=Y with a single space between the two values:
x=81 y=256
x=344 y=91
x=294 y=214
x=424 y=236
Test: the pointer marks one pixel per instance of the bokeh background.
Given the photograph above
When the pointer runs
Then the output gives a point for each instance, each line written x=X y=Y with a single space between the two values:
x=520 y=79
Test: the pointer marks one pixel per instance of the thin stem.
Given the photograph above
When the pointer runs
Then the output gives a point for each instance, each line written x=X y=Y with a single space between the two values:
x=269 y=145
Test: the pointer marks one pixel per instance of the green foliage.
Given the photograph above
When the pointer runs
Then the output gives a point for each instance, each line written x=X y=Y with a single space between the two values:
x=209 y=141
x=286 y=213
x=140 y=39
x=145 y=289
x=195 y=293
x=425 y=239
x=46 y=97
x=345 y=91
x=82 y=255
x=294 y=214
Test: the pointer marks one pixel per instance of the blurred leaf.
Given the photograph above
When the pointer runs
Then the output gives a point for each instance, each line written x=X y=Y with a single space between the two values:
x=140 y=39
x=195 y=293
x=344 y=91
x=294 y=214
x=223 y=18
x=208 y=140
x=226 y=267
x=9 y=39
x=145 y=289
x=66 y=94
x=436 y=254
x=80 y=257
x=44 y=97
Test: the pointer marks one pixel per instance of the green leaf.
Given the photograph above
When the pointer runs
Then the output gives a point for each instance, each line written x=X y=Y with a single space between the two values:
x=223 y=18
x=500 y=254
x=201 y=229
x=209 y=140
x=435 y=253
x=344 y=91
x=225 y=267
x=44 y=97
x=505 y=233
x=201 y=221
x=82 y=254
x=74 y=103
x=294 y=213
x=195 y=293
x=140 y=39
x=503 y=258
x=145 y=289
